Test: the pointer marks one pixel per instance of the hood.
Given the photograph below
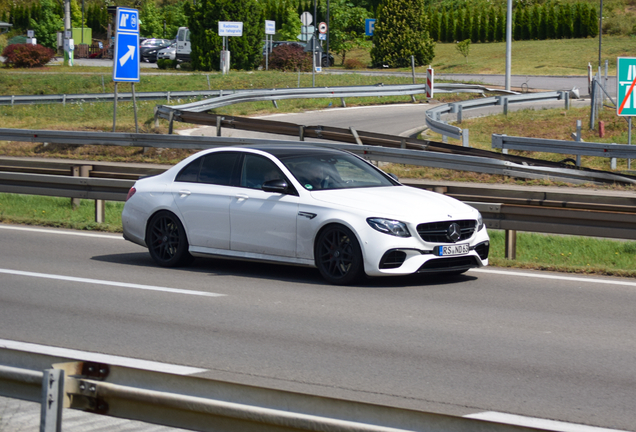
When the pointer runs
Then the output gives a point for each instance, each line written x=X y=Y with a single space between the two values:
x=399 y=202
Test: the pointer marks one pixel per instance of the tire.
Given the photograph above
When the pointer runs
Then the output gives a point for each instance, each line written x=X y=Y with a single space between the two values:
x=324 y=62
x=338 y=255
x=167 y=241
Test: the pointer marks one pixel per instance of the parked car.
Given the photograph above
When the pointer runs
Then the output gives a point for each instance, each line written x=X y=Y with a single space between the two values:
x=168 y=53
x=302 y=45
x=301 y=205
x=148 y=49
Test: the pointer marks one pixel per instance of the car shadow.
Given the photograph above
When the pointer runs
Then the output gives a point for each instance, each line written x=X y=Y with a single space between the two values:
x=282 y=272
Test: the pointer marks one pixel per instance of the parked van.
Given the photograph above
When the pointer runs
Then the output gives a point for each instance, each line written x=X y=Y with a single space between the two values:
x=183 y=45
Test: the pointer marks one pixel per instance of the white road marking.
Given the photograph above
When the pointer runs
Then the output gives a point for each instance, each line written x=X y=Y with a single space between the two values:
x=54 y=231
x=543 y=424
x=110 y=283
x=100 y=358
x=555 y=277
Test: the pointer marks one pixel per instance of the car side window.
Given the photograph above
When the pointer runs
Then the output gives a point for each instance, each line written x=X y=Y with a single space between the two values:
x=257 y=170
x=213 y=168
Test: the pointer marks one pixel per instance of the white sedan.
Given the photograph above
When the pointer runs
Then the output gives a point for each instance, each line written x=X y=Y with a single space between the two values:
x=303 y=205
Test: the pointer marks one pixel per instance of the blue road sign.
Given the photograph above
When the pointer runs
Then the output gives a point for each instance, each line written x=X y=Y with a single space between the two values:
x=126 y=56
x=369 y=26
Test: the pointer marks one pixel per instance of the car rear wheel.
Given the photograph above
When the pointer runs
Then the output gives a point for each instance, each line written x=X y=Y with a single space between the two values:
x=167 y=241
x=338 y=256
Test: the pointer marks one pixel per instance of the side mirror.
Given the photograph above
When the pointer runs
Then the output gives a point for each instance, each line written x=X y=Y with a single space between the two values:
x=277 y=186
x=394 y=177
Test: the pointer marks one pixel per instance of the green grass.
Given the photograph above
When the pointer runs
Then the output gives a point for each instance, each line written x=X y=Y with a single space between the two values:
x=58 y=212
x=567 y=254
x=551 y=57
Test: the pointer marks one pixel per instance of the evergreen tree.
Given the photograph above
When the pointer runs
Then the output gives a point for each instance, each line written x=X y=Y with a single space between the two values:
x=443 y=26
x=401 y=32
x=492 y=24
x=203 y=18
x=535 y=22
x=450 y=29
x=467 y=30
x=592 y=22
x=576 y=21
x=476 y=25
x=552 y=22
x=434 y=25
x=459 y=24
x=516 y=28
x=500 y=30
x=483 y=28
x=543 y=26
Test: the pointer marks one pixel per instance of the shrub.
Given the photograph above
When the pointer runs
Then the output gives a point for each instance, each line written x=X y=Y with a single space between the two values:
x=354 y=64
x=290 y=57
x=185 y=66
x=166 y=64
x=27 y=56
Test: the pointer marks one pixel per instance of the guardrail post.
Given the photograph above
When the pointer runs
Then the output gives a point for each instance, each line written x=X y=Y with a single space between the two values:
x=505 y=106
x=578 y=139
x=566 y=96
x=171 y=120
x=301 y=132
x=64 y=100
x=465 y=142
x=218 y=125
x=275 y=104
x=460 y=112
x=511 y=244
x=52 y=400
x=79 y=171
x=356 y=136
x=342 y=101
x=156 y=117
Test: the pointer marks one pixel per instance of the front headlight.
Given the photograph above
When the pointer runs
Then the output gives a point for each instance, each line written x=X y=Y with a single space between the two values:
x=480 y=222
x=389 y=226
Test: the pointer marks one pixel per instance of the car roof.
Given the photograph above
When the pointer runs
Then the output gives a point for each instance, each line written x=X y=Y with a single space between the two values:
x=283 y=151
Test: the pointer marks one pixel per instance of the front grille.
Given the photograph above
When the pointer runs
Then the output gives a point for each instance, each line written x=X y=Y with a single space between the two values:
x=448 y=264
x=436 y=232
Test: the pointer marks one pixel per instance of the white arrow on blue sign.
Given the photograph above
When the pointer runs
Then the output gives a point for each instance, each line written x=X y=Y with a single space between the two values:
x=126 y=58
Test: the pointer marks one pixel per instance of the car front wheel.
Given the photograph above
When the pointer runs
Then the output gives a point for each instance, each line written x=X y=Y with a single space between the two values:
x=167 y=241
x=338 y=255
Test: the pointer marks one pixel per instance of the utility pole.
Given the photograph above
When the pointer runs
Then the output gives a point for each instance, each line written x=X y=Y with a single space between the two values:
x=509 y=43
x=67 y=26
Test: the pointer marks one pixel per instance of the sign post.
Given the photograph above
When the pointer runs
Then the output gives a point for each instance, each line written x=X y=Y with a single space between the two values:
x=228 y=28
x=126 y=56
x=270 y=31
x=626 y=92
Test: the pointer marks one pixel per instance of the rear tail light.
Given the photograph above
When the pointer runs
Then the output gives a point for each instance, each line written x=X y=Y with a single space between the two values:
x=131 y=192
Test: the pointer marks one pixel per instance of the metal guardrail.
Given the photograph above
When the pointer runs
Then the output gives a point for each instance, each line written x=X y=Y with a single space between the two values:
x=436 y=124
x=591 y=215
x=437 y=159
x=204 y=404
x=169 y=95
x=578 y=148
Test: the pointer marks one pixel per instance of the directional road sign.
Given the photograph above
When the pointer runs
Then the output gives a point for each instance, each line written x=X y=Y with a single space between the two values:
x=626 y=81
x=126 y=59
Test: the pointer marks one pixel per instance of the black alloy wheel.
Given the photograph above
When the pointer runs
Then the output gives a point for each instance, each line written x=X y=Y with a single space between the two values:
x=167 y=241
x=338 y=255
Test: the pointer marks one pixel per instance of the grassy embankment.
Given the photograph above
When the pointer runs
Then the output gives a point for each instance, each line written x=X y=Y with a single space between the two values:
x=534 y=251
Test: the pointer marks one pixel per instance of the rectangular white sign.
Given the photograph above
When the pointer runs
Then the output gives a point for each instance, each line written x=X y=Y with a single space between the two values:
x=230 y=28
x=270 y=27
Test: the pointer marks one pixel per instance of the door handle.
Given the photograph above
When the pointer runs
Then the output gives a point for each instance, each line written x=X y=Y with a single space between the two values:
x=242 y=197
x=183 y=193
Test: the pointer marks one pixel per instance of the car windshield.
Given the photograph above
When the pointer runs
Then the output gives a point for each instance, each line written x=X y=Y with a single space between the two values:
x=334 y=171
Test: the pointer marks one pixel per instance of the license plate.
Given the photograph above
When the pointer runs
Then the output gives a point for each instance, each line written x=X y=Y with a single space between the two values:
x=460 y=249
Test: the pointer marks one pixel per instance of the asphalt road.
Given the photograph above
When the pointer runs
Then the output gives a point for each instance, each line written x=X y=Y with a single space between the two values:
x=534 y=344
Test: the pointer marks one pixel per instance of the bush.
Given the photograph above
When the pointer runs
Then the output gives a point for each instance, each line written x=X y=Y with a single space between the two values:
x=290 y=57
x=185 y=66
x=354 y=64
x=166 y=64
x=27 y=56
